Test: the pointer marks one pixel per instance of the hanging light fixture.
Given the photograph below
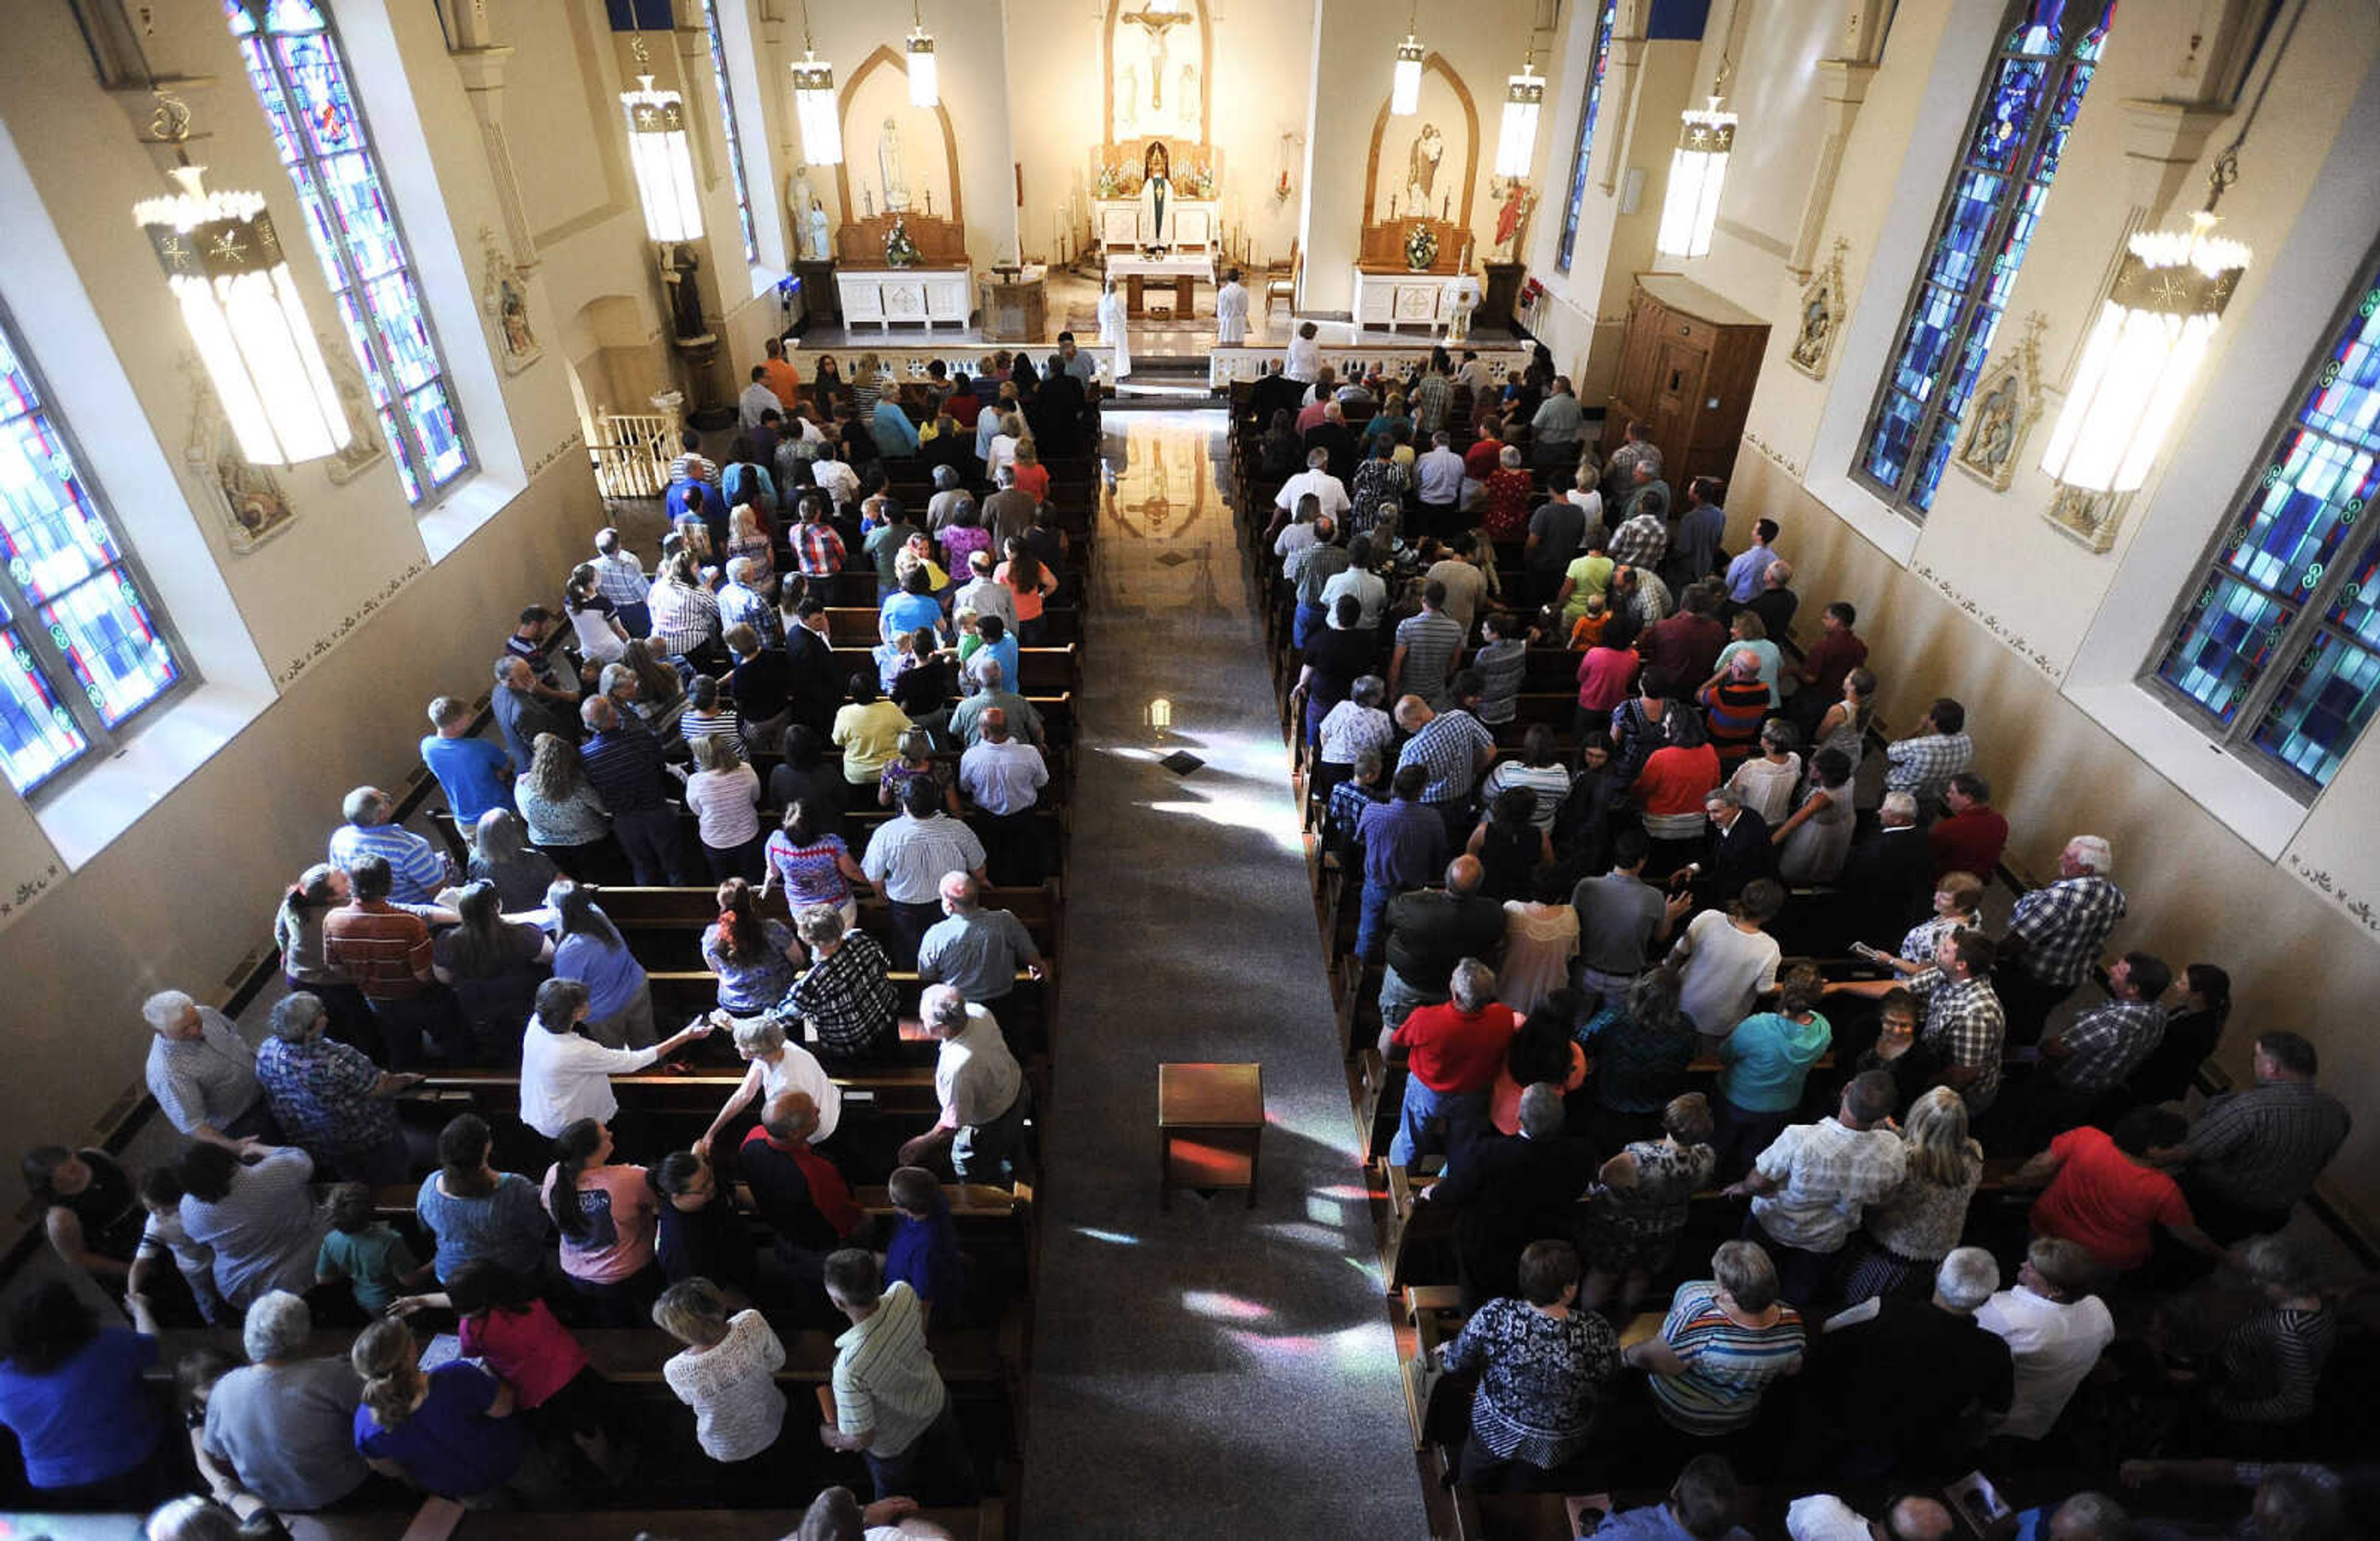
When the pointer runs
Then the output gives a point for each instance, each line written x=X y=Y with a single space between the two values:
x=925 y=89
x=2153 y=334
x=662 y=157
x=1404 y=86
x=1698 y=168
x=1516 y=137
x=814 y=104
x=227 y=271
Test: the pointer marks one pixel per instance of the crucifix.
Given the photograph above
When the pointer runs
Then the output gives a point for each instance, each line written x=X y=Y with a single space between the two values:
x=1159 y=22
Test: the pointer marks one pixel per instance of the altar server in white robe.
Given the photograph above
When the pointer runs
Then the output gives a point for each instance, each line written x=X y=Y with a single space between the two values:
x=1231 y=312
x=1113 y=330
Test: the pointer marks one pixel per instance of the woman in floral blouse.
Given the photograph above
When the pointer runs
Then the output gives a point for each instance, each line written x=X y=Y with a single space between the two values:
x=1637 y=1205
x=1543 y=1363
x=1505 y=496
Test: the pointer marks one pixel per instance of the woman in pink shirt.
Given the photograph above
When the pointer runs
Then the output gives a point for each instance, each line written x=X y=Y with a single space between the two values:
x=1606 y=672
x=608 y=1216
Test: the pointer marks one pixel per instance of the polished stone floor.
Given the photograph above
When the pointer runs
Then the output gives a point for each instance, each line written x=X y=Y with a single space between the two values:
x=1209 y=1370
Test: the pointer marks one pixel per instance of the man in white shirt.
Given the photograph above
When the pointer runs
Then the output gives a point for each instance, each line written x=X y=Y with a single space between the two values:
x=565 y=1077
x=982 y=1088
x=1231 y=312
x=839 y=481
x=1437 y=483
x=2055 y=1330
x=1824 y=1517
x=756 y=398
x=1316 y=478
x=1810 y=1186
x=907 y=860
x=1371 y=590
x=1003 y=779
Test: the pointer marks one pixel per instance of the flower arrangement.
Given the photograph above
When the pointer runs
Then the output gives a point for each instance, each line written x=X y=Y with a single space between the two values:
x=900 y=248
x=1108 y=184
x=1421 y=248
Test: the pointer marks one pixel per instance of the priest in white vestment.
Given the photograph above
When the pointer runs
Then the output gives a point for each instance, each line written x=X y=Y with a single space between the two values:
x=1113 y=331
x=1231 y=312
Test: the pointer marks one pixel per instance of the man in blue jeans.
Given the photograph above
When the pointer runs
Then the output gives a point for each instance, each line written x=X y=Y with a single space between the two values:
x=1453 y=1054
x=1405 y=845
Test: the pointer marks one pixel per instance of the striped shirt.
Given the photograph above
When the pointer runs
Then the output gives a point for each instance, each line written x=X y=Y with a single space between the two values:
x=625 y=768
x=1728 y=1365
x=2263 y=1145
x=884 y=1375
x=686 y=616
x=621 y=578
x=1501 y=665
x=210 y=1079
x=910 y=856
x=415 y=867
x=2272 y=1363
x=1431 y=640
x=384 y=950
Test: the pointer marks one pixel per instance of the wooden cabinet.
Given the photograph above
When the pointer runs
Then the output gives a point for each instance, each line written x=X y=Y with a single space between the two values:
x=1687 y=369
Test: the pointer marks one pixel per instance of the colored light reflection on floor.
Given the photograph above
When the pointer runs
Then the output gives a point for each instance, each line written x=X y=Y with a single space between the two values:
x=1113 y=1238
x=1219 y=1306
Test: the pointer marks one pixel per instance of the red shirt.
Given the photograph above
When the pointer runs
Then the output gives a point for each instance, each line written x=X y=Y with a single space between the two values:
x=1480 y=460
x=1451 y=1052
x=1604 y=676
x=1674 y=780
x=1684 y=650
x=534 y=1355
x=829 y=1193
x=1831 y=657
x=2105 y=1201
x=1035 y=478
x=1969 y=841
x=1504 y=511
x=963 y=407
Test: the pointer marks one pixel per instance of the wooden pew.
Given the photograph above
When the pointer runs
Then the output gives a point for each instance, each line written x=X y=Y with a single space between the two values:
x=857 y=625
x=1045 y=670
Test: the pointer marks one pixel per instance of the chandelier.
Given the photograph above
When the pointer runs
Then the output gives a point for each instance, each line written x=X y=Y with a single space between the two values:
x=2153 y=332
x=226 y=269
x=1698 y=165
x=662 y=159
x=925 y=88
x=814 y=104
x=1516 y=138
x=1404 y=87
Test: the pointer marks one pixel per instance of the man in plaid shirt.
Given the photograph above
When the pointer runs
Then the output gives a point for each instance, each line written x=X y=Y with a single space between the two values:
x=2102 y=1048
x=2055 y=935
x=1965 y=1027
x=1809 y=1187
x=1641 y=540
x=2254 y=1152
x=1344 y=812
x=620 y=577
x=818 y=549
x=846 y=994
x=1923 y=764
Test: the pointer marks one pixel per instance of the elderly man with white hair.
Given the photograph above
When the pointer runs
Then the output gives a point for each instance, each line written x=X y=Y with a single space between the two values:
x=977 y=951
x=1888 y=876
x=2055 y=935
x=1824 y=1517
x=418 y=870
x=982 y=1088
x=746 y=603
x=1328 y=492
x=330 y=1099
x=1452 y=1053
x=203 y=1075
x=1898 y=1377
x=984 y=594
x=281 y=1427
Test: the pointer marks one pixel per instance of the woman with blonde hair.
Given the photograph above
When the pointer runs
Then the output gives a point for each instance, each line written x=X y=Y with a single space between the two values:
x=657 y=684
x=1921 y=1221
x=1957 y=906
x=1031 y=475
x=451 y=1431
x=727 y=1373
x=748 y=540
x=724 y=793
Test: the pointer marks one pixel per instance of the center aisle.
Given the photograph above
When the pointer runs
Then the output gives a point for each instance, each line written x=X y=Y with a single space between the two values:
x=1208 y=1370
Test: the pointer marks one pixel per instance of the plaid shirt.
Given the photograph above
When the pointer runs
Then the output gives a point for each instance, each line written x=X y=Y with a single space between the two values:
x=2263 y=1145
x=1431 y=398
x=1825 y=1176
x=621 y=578
x=2064 y=925
x=2110 y=1043
x=1344 y=810
x=1448 y=748
x=1964 y=1027
x=818 y=549
x=321 y=1092
x=742 y=606
x=848 y=996
x=1349 y=729
x=1923 y=767
x=1640 y=543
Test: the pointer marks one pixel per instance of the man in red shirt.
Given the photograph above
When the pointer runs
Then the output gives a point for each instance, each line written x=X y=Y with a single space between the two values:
x=1686 y=647
x=2105 y=1197
x=386 y=950
x=1972 y=836
x=779 y=376
x=1452 y=1052
x=1833 y=656
x=798 y=1191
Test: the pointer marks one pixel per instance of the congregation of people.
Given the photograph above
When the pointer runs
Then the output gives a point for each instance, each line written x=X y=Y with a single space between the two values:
x=1695 y=1021
x=373 y=1297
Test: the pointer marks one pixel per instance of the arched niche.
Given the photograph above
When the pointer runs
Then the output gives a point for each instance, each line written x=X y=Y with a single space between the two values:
x=860 y=151
x=1118 y=16
x=1375 y=194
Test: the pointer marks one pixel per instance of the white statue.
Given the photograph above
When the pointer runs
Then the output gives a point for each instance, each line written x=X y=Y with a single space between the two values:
x=1186 y=101
x=821 y=248
x=1128 y=117
x=888 y=166
x=1458 y=298
x=1421 y=169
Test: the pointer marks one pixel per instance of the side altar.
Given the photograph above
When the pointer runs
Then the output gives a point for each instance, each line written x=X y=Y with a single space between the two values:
x=1413 y=272
x=904 y=268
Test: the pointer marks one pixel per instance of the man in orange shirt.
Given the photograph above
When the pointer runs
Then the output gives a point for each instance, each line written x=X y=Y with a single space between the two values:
x=779 y=376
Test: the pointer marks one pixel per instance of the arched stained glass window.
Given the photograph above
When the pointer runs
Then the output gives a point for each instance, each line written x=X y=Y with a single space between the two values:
x=2276 y=649
x=300 y=78
x=83 y=650
x=2014 y=142
x=735 y=140
x=1585 y=150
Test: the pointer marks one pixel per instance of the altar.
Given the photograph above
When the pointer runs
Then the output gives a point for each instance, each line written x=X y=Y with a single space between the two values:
x=1184 y=271
x=903 y=267
x=1121 y=224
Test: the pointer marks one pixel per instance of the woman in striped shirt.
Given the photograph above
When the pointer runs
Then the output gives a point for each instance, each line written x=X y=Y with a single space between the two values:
x=685 y=615
x=2272 y=1362
x=1725 y=1339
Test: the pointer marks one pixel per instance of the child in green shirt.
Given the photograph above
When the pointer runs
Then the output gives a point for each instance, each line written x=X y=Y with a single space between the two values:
x=367 y=1252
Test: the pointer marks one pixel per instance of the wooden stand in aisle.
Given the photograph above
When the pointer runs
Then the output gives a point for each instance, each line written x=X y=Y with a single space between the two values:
x=1209 y=1122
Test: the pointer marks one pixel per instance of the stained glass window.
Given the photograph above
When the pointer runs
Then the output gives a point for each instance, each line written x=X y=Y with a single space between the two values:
x=2278 y=647
x=301 y=79
x=2010 y=154
x=81 y=651
x=1583 y=150
x=734 y=141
